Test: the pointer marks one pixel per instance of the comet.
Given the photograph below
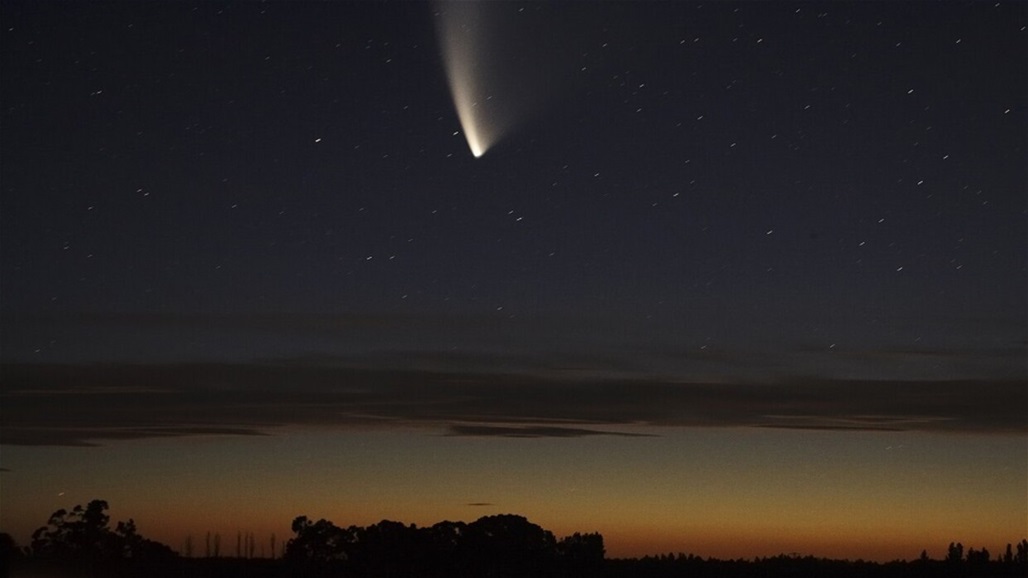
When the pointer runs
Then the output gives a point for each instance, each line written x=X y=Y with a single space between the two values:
x=462 y=33
x=502 y=66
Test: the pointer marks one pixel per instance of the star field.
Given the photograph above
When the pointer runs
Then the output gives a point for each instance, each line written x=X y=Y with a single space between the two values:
x=235 y=157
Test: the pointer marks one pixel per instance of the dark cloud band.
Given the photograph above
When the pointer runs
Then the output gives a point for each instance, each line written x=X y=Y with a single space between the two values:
x=85 y=404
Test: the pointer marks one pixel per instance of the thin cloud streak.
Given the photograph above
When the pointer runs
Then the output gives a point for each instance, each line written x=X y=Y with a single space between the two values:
x=539 y=431
x=128 y=401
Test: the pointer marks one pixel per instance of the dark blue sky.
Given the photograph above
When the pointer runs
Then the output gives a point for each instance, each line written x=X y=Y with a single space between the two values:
x=778 y=173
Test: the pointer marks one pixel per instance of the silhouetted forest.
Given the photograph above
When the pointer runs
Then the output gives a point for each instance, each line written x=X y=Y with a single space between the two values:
x=82 y=543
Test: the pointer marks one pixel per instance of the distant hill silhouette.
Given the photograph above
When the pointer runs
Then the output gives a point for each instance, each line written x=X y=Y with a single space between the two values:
x=81 y=543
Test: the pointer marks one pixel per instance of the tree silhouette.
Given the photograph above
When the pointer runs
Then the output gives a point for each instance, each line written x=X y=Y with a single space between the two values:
x=977 y=562
x=318 y=542
x=582 y=554
x=955 y=553
x=9 y=553
x=509 y=545
x=444 y=548
x=83 y=536
x=81 y=533
x=387 y=549
x=977 y=556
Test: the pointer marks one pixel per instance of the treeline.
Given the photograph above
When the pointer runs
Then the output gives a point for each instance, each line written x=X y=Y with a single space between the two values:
x=782 y=566
x=500 y=546
x=82 y=543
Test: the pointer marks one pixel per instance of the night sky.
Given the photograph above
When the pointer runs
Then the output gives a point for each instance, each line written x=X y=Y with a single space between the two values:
x=726 y=278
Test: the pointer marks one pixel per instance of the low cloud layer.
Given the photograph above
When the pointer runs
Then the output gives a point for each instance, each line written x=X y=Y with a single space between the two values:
x=532 y=431
x=87 y=404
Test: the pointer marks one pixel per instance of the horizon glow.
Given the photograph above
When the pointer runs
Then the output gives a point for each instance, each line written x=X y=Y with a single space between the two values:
x=837 y=494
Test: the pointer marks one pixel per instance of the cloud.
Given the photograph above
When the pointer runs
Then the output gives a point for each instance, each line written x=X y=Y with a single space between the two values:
x=52 y=404
x=533 y=431
x=567 y=347
x=853 y=423
x=479 y=504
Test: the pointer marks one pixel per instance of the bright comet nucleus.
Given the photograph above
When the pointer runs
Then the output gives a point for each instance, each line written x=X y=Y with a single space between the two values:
x=465 y=105
x=461 y=29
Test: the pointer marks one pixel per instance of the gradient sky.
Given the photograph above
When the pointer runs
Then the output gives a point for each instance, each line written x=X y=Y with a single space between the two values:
x=733 y=279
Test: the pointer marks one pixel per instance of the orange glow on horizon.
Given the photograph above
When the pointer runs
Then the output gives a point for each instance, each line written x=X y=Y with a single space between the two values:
x=732 y=493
